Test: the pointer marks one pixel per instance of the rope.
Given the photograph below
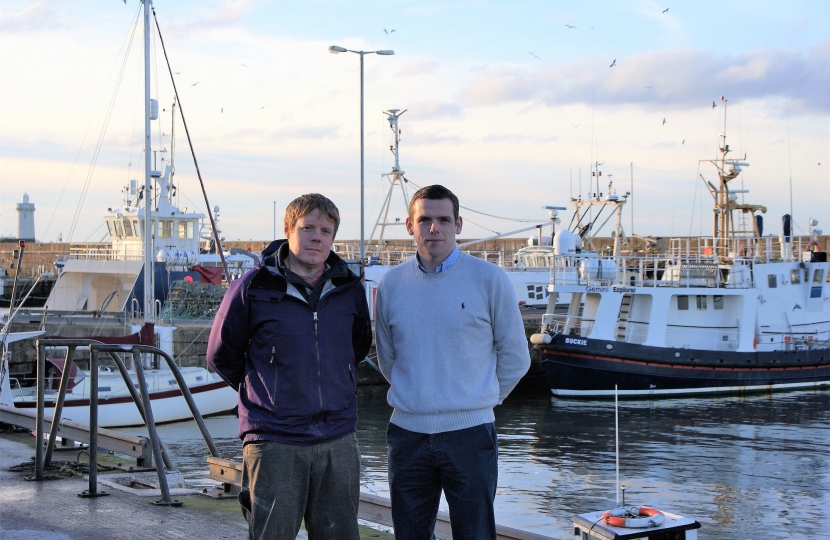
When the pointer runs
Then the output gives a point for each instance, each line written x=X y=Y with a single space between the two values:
x=482 y=213
x=192 y=152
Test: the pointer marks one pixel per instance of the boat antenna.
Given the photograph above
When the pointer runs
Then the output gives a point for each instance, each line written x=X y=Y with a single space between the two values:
x=192 y=152
x=617 y=439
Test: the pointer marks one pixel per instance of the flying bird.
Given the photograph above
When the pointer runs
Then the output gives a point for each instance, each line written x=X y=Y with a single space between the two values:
x=577 y=125
x=262 y=107
x=569 y=26
x=222 y=110
x=177 y=73
x=243 y=65
x=387 y=33
x=664 y=121
x=713 y=105
x=648 y=87
x=665 y=10
x=194 y=84
x=684 y=141
x=593 y=27
x=534 y=56
x=614 y=63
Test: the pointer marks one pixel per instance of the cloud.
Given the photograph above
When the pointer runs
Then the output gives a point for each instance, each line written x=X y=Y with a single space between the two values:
x=38 y=16
x=418 y=67
x=434 y=109
x=519 y=138
x=678 y=78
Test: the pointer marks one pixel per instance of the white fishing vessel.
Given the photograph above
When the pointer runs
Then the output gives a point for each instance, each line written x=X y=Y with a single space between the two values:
x=105 y=281
x=737 y=311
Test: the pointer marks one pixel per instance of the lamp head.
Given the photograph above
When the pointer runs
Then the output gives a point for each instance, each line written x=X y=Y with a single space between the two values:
x=334 y=49
x=385 y=53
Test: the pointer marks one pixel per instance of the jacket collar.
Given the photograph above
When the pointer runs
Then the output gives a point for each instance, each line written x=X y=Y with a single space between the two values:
x=264 y=278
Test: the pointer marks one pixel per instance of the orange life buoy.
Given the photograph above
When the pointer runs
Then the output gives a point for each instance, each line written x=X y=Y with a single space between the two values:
x=634 y=518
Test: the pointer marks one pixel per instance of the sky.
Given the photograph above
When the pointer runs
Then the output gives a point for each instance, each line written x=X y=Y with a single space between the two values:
x=508 y=104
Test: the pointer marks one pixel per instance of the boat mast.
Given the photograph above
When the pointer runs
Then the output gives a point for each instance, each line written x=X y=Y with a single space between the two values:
x=149 y=311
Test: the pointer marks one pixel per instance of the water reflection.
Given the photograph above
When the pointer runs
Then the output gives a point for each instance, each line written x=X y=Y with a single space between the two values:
x=749 y=467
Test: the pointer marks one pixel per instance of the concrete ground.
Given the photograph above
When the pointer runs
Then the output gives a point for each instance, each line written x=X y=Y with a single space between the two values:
x=52 y=509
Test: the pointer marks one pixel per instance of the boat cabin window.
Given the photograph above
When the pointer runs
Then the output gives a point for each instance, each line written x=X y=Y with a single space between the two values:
x=806 y=275
x=128 y=228
x=110 y=228
x=683 y=303
x=166 y=228
x=119 y=231
x=772 y=281
x=136 y=228
x=701 y=302
x=818 y=276
x=718 y=301
x=795 y=276
x=185 y=229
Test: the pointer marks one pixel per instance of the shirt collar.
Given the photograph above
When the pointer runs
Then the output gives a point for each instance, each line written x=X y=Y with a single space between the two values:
x=451 y=259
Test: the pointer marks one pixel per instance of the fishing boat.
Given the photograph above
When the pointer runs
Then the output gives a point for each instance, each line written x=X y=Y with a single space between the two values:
x=734 y=312
x=107 y=280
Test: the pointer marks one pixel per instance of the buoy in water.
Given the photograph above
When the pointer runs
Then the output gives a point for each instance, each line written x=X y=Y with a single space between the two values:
x=633 y=517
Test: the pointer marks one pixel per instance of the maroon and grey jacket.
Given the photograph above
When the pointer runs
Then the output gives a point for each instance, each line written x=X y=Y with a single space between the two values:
x=294 y=367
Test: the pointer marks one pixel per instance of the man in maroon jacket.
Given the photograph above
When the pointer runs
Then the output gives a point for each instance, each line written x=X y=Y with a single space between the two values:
x=288 y=336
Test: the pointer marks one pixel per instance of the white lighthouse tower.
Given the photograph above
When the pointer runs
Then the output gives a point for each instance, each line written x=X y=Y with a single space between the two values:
x=26 y=219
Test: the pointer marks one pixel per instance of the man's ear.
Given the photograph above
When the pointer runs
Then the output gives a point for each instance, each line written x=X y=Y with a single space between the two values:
x=409 y=228
x=458 y=224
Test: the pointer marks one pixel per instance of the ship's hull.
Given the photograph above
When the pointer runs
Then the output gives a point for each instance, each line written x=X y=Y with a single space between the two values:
x=211 y=399
x=584 y=367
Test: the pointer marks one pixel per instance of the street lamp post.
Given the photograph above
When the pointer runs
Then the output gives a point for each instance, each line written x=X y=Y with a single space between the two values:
x=334 y=49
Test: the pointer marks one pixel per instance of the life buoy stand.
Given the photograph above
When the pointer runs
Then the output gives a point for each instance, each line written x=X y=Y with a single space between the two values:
x=634 y=518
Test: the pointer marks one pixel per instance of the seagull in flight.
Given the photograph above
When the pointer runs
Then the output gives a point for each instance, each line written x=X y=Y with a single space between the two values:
x=262 y=107
x=614 y=63
x=194 y=84
x=534 y=56
x=593 y=27
x=387 y=33
x=243 y=65
x=665 y=10
x=684 y=141
x=569 y=26
x=222 y=110
x=664 y=121
x=713 y=105
x=577 y=125
x=648 y=87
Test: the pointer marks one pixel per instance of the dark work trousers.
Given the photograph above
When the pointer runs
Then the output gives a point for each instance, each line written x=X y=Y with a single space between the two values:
x=464 y=463
x=288 y=483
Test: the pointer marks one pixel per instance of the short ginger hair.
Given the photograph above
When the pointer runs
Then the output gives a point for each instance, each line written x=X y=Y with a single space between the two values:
x=305 y=204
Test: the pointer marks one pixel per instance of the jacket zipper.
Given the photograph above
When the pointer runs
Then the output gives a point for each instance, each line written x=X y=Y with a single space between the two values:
x=351 y=376
x=276 y=378
x=319 y=369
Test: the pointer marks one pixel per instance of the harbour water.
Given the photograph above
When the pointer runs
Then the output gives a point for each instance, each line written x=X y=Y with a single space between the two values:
x=744 y=467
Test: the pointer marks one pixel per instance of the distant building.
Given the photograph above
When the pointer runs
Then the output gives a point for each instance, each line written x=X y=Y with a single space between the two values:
x=26 y=219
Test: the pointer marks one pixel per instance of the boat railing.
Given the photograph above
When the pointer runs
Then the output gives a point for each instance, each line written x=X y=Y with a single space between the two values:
x=557 y=323
x=99 y=252
x=762 y=249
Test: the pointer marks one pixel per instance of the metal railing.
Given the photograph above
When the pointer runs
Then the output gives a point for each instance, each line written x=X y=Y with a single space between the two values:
x=141 y=398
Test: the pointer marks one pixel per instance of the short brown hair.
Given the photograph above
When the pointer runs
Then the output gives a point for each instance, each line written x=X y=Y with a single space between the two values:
x=305 y=204
x=435 y=192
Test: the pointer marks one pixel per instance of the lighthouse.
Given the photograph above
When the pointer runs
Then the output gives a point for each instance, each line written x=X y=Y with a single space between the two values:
x=26 y=219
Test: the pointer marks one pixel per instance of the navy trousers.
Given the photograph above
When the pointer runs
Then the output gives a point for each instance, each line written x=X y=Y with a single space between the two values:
x=464 y=463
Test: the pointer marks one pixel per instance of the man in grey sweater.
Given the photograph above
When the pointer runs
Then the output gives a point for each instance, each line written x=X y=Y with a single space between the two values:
x=452 y=345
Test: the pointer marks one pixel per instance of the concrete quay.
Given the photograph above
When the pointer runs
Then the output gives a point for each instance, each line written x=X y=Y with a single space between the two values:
x=52 y=509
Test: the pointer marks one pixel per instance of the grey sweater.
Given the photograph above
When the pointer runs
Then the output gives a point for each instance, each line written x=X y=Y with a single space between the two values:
x=452 y=345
